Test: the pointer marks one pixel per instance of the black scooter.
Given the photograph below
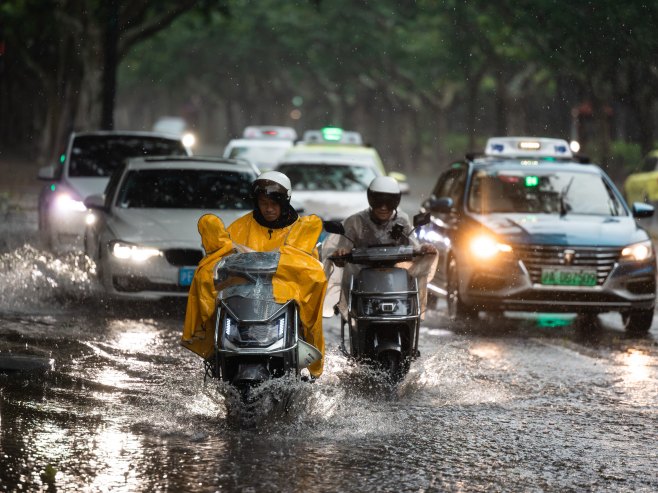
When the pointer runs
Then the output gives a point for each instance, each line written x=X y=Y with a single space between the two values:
x=256 y=338
x=383 y=314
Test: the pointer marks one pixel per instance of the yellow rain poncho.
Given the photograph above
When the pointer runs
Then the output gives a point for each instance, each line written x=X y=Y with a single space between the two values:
x=198 y=331
x=299 y=276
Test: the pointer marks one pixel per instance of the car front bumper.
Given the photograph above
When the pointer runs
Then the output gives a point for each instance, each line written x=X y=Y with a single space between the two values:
x=628 y=285
x=153 y=279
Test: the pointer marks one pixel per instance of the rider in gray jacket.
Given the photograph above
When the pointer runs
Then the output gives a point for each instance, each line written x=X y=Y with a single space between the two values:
x=374 y=226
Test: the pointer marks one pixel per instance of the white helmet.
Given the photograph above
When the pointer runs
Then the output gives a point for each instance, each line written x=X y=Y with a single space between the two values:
x=384 y=190
x=273 y=183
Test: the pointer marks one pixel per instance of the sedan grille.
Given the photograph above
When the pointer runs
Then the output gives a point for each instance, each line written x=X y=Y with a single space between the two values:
x=183 y=256
x=536 y=257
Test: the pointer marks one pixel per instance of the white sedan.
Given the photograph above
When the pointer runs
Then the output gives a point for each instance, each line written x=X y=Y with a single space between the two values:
x=143 y=234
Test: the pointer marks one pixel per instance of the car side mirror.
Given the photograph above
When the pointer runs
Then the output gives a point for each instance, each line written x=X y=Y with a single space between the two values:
x=47 y=173
x=441 y=205
x=335 y=227
x=640 y=210
x=421 y=219
x=95 y=202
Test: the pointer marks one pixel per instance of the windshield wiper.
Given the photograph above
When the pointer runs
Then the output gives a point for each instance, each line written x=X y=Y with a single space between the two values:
x=564 y=205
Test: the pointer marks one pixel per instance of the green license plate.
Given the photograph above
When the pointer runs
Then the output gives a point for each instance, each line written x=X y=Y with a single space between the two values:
x=562 y=277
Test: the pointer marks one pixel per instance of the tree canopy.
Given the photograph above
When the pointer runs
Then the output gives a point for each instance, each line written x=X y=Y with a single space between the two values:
x=409 y=74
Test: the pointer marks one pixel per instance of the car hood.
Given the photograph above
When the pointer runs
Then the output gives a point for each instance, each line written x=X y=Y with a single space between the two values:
x=331 y=205
x=164 y=227
x=574 y=229
x=84 y=187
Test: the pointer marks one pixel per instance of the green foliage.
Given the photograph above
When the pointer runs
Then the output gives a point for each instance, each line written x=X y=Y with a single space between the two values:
x=626 y=156
x=405 y=70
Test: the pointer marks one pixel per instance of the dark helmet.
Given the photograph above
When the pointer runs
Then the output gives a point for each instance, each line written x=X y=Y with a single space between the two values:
x=384 y=190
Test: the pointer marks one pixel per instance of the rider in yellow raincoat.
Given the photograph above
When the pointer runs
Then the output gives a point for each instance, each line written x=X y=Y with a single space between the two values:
x=273 y=224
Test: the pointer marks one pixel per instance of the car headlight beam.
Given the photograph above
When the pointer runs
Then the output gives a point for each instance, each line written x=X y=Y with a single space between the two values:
x=64 y=202
x=638 y=251
x=189 y=139
x=135 y=253
x=486 y=247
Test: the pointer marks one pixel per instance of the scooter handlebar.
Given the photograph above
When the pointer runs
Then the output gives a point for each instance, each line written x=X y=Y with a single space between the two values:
x=347 y=256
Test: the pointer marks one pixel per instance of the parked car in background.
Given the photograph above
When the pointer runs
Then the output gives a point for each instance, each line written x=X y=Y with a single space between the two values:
x=84 y=168
x=527 y=227
x=143 y=235
x=262 y=145
x=178 y=127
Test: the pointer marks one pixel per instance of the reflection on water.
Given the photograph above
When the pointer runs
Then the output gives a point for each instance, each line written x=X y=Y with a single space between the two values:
x=637 y=365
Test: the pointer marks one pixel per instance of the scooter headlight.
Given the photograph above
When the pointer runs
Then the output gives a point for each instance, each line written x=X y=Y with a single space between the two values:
x=255 y=334
x=383 y=307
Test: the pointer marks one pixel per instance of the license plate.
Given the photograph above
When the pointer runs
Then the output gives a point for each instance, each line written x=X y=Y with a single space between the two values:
x=564 y=277
x=185 y=275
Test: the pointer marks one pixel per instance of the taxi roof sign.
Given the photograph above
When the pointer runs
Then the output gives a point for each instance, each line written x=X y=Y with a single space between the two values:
x=269 y=132
x=536 y=147
x=332 y=135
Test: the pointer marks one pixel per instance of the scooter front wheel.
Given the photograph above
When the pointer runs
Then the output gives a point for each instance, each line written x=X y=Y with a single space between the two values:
x=391 y=362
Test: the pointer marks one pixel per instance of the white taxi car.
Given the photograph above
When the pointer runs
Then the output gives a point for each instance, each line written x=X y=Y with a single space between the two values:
x=332 y=187
x=262 y=145
x=143 y=233
x=330 y=170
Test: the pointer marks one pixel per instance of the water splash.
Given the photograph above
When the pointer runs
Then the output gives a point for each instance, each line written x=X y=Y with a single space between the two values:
x=33 y=278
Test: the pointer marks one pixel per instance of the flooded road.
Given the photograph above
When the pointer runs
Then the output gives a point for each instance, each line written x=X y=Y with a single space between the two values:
x=529 y=403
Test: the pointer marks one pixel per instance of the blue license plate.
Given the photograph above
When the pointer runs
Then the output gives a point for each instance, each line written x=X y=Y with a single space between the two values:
x=185 y=276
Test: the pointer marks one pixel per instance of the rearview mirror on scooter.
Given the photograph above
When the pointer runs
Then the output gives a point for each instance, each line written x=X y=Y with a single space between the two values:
x=421 y=219
x=335 y=227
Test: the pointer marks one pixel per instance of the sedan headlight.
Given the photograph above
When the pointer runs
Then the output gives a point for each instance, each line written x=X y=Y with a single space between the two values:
x=135 y=253
x=66 y=203
x=485 y=247
x=637 y=251
x=189 y=139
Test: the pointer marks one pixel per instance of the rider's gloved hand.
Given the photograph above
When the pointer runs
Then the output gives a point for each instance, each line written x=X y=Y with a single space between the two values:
x=428 y=249
x=339 y=253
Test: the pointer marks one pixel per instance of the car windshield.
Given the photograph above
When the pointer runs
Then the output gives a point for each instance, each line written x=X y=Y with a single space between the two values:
x=547 y=192
x=186 y=189
x=305 y=176
x=100 y=155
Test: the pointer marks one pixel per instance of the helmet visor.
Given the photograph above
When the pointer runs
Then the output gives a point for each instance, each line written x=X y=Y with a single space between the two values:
x=271 y=190
x=378 y=199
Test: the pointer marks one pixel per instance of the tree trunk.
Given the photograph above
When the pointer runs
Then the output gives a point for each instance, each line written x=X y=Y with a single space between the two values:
x=110 y=62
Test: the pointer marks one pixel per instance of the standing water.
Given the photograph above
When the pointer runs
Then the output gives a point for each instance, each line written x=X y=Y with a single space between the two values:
x=505 y=405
